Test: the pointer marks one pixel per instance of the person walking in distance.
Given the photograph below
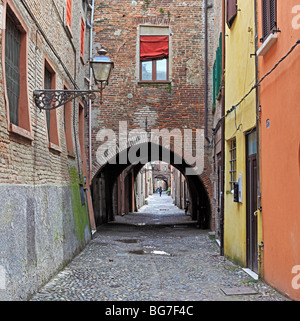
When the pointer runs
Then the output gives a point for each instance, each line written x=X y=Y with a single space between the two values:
x=160 y=191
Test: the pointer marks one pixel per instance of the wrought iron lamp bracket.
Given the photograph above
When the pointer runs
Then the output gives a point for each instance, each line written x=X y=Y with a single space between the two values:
x=48 y=99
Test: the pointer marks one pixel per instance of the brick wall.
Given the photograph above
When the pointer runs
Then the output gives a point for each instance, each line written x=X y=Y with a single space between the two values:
x=179 y=104
x=42 y=222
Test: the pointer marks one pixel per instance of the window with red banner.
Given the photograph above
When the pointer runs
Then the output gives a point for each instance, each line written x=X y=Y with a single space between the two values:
x=154 y=54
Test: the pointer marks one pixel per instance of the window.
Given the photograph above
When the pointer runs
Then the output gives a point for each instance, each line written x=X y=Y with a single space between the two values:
x=232 y=161
x=12 y=68
x=269 y=17
x=15 y=60
x=69 y=12
x=51 y=119
x=231 y=12
x=217 y=72
x=154 y=54
x=82 y=38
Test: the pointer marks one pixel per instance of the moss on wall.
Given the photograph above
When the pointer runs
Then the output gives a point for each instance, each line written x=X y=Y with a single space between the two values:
x=80 y=211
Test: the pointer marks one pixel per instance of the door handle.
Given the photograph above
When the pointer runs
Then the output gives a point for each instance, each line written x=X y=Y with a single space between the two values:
x=255 y=213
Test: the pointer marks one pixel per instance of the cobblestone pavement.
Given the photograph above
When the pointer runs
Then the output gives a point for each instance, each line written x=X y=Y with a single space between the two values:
x=127 y=261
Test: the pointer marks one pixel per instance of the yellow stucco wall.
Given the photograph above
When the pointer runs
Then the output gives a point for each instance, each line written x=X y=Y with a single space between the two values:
x=239 y=78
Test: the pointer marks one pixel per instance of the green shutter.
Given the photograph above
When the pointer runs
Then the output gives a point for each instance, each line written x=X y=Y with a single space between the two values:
x=217 y=72
x=214 y=84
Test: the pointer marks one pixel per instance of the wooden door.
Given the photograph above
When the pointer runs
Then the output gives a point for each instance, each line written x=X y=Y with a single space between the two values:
x=251 y=205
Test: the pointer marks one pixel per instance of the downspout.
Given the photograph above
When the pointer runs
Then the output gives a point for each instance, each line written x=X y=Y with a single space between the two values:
x=257 y=109
x=92 y=7
x=259 y=207
x=222 y=133
x=206 y=72
x=89 y=178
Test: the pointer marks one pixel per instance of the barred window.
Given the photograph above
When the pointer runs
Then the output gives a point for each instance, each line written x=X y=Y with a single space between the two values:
x=232 y=162
x=269 y=17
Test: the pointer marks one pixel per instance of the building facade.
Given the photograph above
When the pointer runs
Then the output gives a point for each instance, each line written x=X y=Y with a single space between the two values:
x=217 y=37
x=278 y=29
x=44 y=220
x=242 y=217
x=158 y=48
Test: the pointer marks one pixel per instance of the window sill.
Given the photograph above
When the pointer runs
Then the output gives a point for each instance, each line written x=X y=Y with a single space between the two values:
x=159 y=82
x=21 y=132
x=267 y=44
x=82 y=59
x=69 y=30
x=71 y=154
x=54 y=148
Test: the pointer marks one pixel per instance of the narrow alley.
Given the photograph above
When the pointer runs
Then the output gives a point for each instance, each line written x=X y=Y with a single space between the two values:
x=157 y=254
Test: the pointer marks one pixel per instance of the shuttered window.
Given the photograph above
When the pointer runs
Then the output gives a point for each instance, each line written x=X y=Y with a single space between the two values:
x=217 y=72
x=231 y=11
x=82 y=37
x=269 y=17
x=12 y=65
x=69 y=12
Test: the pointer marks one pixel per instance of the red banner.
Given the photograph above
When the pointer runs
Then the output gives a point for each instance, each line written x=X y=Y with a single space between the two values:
x=154 y=47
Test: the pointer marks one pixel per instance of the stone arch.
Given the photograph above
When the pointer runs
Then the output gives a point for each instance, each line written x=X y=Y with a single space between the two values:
x=105 y=176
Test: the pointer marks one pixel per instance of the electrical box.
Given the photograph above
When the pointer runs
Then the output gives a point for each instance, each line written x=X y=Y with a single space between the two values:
x=235 y=192
x=238 y=190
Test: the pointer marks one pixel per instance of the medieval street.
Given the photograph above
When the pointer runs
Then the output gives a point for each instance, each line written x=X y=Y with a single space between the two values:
x=157 y=254
x=149 y=151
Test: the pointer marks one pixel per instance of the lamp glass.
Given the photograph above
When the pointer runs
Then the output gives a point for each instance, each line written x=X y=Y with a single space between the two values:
x=102 y=67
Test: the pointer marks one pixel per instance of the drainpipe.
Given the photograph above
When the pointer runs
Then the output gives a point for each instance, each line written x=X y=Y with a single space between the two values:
x=257 y=109
x=206 y=72
x=222 y=133
x=89 y=178
x=92 y=7
x=260 y=245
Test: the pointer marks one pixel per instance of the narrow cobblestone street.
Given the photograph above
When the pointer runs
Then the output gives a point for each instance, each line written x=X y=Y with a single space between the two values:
x=157 y=254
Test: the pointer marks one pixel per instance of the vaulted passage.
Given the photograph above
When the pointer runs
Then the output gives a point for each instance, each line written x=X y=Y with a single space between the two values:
x=113 y=187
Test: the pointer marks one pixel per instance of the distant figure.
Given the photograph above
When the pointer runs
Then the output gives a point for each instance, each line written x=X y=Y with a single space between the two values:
x=186 y=207
x=160 y=191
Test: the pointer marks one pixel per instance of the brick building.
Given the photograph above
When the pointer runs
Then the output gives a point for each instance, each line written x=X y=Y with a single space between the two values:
x=218 y=42
x=149 y=92
x=44 y=44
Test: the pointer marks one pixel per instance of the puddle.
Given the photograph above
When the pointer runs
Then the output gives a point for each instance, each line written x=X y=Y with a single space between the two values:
x=155 y=252
x=160 y=252
x=139 y=252
x=100 y=243
x=128 y=241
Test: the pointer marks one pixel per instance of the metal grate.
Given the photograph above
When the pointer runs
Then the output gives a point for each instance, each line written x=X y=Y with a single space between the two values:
x=232 y=162
x=269 y=17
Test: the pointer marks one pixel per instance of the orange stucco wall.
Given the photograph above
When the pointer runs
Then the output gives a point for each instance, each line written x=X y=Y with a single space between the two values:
x=280 y=172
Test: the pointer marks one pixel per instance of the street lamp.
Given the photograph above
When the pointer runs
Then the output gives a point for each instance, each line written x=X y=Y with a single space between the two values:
x=47 y=99
x=102 y=68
